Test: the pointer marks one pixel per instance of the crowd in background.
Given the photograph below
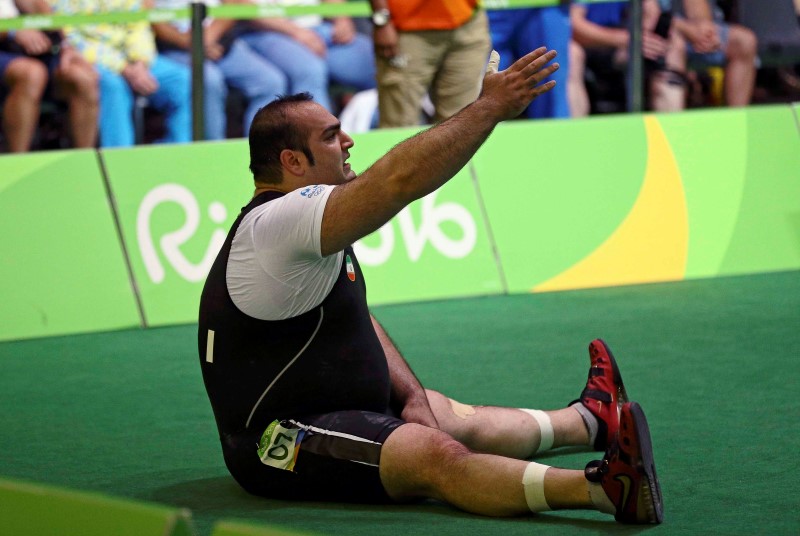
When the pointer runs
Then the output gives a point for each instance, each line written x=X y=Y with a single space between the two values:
x=412 y=62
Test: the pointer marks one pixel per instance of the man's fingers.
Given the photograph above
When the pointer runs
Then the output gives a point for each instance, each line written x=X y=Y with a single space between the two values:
x=536 y=65
x=528 y=58
x=533 y=57
x=547 y=71
x=528 y=65
x=544 y=88
x=494 y=62
x=537 y=76
x=522 y=82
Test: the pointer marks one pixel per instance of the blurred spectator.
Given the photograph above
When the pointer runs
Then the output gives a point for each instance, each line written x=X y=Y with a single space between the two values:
x=515 y=32
x=126 y=58
x=230 y=62
x=713 y=42
x=434 y=46
x=313 y=52
x=29 y=59
x=601 y=29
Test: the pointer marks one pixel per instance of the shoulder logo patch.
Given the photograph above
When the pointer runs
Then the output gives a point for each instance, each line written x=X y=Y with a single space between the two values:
x=312 y=191
x=351 y=270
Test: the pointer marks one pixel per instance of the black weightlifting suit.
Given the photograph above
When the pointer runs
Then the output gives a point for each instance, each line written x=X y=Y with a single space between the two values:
x=321 y=375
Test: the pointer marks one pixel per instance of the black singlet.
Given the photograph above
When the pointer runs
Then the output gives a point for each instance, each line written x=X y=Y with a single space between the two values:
x=326 y=360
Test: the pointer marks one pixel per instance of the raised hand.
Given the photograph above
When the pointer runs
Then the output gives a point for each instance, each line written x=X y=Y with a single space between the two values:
x=512 y=90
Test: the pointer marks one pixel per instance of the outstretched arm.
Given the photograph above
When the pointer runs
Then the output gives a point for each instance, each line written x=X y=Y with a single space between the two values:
x=421 y=164
x=407 y=392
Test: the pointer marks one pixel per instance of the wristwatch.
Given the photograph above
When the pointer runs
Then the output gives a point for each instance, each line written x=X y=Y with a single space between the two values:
x=381 y=17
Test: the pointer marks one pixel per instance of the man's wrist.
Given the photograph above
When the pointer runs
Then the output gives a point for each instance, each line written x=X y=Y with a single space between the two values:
x=381 y=17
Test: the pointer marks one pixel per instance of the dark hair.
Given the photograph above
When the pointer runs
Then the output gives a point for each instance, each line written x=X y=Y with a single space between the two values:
x=274 y=130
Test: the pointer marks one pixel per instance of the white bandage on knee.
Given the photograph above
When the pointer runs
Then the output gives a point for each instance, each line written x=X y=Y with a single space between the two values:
x=533 y=483
x=545 y=429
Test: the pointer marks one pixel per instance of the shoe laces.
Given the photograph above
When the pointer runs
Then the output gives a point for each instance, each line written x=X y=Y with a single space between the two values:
x=597 y=469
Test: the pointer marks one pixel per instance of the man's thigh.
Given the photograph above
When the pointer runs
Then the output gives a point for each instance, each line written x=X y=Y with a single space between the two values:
x=329 y=457
x=5 y=60
x=404 y=80
x=353 y=63
x=459 y=79
x=288 y=55
x=174 y=80
x=249 y=72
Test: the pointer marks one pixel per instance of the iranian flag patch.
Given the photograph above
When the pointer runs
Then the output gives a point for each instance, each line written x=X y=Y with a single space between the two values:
x=351 y=270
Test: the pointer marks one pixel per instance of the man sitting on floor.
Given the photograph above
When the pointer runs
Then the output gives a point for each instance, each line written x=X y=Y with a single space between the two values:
x=314 y=401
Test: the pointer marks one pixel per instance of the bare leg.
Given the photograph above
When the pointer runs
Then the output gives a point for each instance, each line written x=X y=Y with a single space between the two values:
x=417 y=461
x=576 y=86
x=26 y=78
x=504 y=431
x=77 y=83
x=669 y=90
x=740 y=72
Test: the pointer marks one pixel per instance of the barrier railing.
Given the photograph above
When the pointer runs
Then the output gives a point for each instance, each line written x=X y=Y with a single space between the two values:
x=235 y=11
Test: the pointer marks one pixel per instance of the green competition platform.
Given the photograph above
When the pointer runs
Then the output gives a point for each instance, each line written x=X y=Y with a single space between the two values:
x=713 y=362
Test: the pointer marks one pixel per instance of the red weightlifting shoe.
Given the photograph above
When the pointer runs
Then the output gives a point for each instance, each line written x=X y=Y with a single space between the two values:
x=604 y=393
x=627 y=472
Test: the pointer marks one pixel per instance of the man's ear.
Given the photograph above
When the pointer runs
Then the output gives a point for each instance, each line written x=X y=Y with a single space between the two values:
x=294 y=162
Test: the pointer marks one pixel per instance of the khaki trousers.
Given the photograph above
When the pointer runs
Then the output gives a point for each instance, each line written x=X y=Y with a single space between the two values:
x=446 y=64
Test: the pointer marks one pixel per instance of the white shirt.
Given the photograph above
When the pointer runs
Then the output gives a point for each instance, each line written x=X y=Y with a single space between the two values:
x=275 y=268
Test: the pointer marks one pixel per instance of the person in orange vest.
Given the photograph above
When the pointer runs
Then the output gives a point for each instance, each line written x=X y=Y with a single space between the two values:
x=436 y=47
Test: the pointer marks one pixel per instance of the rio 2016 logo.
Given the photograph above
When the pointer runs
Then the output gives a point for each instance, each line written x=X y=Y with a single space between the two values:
x=169 y=244
x=429 y=230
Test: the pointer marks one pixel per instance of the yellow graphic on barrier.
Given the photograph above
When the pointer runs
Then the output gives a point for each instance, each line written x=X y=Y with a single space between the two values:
x=651 y=244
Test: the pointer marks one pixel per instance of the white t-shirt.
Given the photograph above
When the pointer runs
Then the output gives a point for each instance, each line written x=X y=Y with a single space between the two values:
x=275 y=268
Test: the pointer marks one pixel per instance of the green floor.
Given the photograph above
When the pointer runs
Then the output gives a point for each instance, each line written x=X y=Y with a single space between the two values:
x=714 y=363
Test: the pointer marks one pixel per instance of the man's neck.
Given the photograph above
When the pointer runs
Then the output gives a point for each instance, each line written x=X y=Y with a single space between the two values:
x=273 y=188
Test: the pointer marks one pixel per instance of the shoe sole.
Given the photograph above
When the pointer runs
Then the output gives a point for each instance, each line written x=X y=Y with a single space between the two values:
x=652 y=490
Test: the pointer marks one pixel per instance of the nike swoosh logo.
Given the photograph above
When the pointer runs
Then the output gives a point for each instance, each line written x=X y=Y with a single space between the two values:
x=627 y=483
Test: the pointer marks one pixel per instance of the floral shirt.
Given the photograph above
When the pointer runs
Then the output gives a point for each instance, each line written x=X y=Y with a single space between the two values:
x=110 y=45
